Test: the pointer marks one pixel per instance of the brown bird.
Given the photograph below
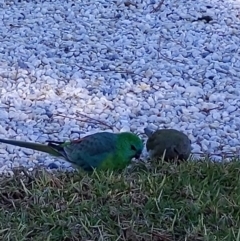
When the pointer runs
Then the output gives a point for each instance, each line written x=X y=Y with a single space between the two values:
x=175 y=144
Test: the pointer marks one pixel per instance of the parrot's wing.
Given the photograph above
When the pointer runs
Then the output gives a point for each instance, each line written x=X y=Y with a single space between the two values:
x=90 y=151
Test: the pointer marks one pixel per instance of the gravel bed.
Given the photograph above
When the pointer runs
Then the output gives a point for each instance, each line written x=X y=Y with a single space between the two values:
x=130 y=64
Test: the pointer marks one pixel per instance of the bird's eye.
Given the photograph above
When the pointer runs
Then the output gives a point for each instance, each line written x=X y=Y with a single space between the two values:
x=133 y=148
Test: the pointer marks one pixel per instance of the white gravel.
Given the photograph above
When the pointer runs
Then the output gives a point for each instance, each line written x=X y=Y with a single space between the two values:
x=120 y=62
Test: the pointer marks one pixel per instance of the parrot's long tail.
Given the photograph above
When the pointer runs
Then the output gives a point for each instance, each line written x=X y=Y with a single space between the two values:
x=34 y=146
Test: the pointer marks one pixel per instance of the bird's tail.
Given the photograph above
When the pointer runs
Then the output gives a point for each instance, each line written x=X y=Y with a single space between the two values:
x=34 y=146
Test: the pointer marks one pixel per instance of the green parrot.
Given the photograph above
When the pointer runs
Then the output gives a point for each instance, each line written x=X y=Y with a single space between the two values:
x=176 y=144
x=103 y=150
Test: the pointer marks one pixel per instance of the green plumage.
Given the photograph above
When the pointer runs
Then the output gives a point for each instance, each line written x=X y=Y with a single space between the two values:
x=176 y=144
x=102 y=150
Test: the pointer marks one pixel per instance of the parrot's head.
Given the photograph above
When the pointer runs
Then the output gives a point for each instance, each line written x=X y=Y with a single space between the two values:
x=131 y=145
x=148 y=132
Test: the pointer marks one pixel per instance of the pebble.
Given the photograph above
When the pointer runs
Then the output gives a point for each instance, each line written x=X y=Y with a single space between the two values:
x=53 y=166
x=138 y=71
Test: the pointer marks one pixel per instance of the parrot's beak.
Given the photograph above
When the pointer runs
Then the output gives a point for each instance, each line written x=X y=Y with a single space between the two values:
x=138 y=154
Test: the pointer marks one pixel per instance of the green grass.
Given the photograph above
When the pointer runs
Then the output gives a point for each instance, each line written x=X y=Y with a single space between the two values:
x=164 y=201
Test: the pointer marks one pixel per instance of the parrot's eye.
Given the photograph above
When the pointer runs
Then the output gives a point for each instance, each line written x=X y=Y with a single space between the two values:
x=133 y=148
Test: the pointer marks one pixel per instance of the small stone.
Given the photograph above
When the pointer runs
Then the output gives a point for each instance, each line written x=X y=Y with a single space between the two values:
x=53 y=166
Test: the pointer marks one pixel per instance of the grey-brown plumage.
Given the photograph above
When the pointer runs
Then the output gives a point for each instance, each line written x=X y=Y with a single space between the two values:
x=176 y=144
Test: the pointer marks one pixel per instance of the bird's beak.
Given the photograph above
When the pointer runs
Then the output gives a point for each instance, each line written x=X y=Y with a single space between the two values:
x=138 y=154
